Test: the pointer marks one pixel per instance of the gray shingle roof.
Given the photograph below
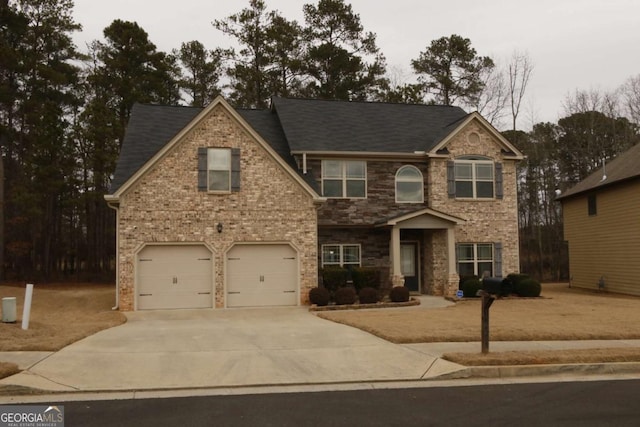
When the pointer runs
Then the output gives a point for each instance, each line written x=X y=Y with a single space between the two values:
x=298 y=125
x=150 y=128
x=318 y=125
x=625 y=166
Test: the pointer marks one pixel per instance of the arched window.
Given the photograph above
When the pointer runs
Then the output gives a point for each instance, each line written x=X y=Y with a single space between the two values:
x=409 y=185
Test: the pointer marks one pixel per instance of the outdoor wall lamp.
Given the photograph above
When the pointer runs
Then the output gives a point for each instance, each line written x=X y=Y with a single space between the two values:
x=219 y=227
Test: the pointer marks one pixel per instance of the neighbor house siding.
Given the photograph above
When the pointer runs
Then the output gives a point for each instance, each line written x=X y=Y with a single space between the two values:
x=486 y=221
x=165 y=206
x=607 y=244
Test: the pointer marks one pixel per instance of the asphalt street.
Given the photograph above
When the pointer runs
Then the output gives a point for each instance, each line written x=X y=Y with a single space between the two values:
x=584 y=404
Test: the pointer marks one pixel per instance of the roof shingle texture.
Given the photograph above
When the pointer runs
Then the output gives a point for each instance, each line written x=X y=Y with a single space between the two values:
x=298 y=125
x=625 y=166
x=318 y=125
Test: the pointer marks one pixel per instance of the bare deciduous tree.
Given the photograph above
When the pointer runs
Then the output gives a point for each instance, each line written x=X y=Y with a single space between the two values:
x=630 y=91
x=520 y=69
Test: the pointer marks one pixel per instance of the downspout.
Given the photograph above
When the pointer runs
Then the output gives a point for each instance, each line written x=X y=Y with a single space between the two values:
x=117 y=306
x=304 y=163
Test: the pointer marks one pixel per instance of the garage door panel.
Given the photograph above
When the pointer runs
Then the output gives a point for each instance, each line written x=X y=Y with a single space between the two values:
x=262 y=275
x=175 y=276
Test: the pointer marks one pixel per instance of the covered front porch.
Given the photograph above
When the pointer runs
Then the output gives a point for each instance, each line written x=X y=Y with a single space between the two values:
x=422 y=251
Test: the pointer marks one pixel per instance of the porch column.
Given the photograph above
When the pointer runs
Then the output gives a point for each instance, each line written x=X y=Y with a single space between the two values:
x=451 y=247
x=453 y=282
x=396 y=273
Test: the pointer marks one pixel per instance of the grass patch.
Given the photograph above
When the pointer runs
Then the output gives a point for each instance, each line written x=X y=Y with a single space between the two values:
x=7 y=369
x=60 y=315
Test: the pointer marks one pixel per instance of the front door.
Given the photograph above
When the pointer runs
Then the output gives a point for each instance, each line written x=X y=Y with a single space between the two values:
x=409 y=266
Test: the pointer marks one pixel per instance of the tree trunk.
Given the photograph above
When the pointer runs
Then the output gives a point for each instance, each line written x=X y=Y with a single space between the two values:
x=1 y=215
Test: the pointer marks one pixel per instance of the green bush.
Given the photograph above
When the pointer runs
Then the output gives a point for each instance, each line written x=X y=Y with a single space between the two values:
x=528 y=288
x=334 y=277
x=470 y=287
x=319 y=296
x=345 y=296
x=365 y=277
x=516 y=278
x=464 y=279
x=368 y=295
x=399 y=294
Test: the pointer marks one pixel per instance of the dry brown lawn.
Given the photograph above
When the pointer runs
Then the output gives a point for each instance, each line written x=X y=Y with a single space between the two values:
x=562 y=313
x=60 y=315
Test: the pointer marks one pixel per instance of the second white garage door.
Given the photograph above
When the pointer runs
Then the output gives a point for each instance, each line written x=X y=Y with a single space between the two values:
x=262 y=275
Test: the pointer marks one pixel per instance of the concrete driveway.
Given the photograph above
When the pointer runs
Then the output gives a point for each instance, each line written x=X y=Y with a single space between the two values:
x=220 y=348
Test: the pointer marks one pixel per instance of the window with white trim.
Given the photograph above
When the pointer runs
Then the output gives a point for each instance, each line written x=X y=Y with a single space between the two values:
x=409 y=185
x=474 y=178
x=344 y=178
x=475 y=259
x=341 y=255
x=219 y=169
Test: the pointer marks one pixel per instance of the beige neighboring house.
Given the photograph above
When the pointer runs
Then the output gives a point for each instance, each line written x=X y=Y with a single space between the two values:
x=222 y=207
x=602 y=225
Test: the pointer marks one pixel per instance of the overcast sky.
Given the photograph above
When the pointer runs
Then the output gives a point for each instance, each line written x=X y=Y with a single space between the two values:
x=574 y=44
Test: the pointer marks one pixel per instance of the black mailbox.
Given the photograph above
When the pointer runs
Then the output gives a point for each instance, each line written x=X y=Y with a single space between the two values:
x=492 y=285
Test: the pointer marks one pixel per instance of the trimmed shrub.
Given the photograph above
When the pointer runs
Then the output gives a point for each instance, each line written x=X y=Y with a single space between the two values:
x=465 y=278
x=319 y=296
x=368 y=295
x=334 y=277
x=516 y=278
x=399 y=294
x=470 y=287
x=507 y=287
x=345 y=296
x=528 y=288
x=365 y=277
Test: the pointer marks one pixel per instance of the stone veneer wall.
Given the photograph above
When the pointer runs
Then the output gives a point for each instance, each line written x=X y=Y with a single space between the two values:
x=165 y=206
x=487 y=221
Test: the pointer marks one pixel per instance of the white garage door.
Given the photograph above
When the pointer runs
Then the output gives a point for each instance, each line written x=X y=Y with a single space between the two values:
x=178 y=276
x=262 y=275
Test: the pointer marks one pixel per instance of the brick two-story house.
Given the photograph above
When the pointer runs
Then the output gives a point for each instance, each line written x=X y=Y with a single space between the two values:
x=219 y=207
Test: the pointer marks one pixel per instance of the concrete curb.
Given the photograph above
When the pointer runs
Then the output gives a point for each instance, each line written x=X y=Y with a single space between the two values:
x=511 y=371
x=22 y=394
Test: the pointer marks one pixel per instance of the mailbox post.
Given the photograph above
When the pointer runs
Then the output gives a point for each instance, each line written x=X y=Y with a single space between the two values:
x=491 y=288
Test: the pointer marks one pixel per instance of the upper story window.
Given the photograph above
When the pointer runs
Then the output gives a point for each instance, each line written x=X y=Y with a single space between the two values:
x=409 y=185
x=344 y=178
x=218 y=169
x=475 y=178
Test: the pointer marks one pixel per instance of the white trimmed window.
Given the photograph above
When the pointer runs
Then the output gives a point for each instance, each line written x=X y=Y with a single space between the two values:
x=409 y=185
x=341 y=255
x=344 y=178
x=474 y=178
x=475 y=259
x=219 y=169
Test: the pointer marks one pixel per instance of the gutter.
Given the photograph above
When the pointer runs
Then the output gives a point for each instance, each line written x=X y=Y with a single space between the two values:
x=110 y=200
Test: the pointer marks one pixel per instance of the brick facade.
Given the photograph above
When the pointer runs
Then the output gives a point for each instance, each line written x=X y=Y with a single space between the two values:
x=487 y=221
x=165 y=206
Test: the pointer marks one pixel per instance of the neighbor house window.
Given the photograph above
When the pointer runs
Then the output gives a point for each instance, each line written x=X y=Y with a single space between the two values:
x=475 y=259
x=344 y=178
x=592 y=205
x=341 y=255
x=409 y=185
x=474 y=177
